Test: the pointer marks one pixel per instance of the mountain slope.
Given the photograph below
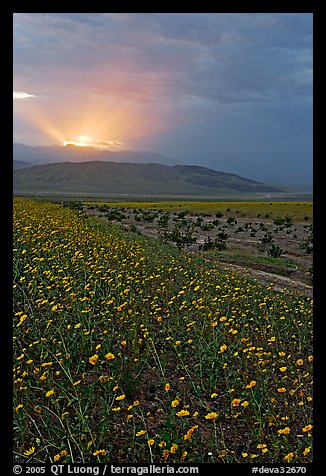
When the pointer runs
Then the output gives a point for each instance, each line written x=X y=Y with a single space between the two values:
x=132 y=178
x=20 y=164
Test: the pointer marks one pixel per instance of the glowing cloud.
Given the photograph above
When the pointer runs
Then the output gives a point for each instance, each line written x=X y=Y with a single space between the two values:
x=22 y=95
x=86 y=141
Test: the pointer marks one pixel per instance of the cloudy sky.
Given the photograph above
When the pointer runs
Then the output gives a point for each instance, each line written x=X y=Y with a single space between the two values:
x=230 y=91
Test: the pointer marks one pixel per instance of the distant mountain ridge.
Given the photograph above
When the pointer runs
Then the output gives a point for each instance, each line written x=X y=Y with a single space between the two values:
x=41 y=155
x=132 y=178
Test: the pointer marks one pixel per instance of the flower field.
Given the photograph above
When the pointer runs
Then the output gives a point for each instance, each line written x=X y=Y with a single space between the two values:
x=128 y=350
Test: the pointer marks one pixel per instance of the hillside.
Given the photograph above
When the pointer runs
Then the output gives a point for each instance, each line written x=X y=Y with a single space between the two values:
x=132 y=178
x=21 y=164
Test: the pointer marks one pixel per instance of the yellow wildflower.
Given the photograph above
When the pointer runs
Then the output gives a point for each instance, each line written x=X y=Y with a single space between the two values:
x=121 y=397
x=99 y=452
x=183 y=413
x=22 y=319
x=211 y=416
x=30 y=451
x=307 y=428
x=173 y=448
x=92 y=360
x=288 y=457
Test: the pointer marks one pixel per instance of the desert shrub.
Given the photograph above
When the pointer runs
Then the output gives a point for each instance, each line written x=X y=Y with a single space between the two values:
x=275 y=251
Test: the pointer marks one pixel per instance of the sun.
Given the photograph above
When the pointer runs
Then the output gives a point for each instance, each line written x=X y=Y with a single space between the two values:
x=81 y=141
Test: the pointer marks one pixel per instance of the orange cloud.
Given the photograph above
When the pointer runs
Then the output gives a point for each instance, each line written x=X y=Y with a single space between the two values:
x=108 y=122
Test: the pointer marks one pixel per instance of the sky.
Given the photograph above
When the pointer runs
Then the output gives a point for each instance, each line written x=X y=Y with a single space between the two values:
x=229 y=91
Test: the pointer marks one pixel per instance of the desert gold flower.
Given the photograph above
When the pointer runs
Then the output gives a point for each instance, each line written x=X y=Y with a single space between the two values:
x=165 y=454
x=99 y=452
x=49 y=393
x=306 y=451
x=173 y=448
x=121 y=397
x=244 y=404
x=288 y=457
x=235 y=402
x=92 y=360
x=141 y=433
x=30 y=451
x=251 y=384
x=299 y=362
x=19 y=407
x=223 y=348
x=183 y=413
x=211 y=416
x=284 y=431
x=150 y=442
x=184 y=455
x=307 y=428
x=56 y=457
x=281 y=390
x=283 y=369
x=175 y=403
x=109 y=356
x=22 y=319
x=167 y=386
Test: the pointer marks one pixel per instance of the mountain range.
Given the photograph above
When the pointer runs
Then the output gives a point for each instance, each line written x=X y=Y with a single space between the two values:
x=74 y=169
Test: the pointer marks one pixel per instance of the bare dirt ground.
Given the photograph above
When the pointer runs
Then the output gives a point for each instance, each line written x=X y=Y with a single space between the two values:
x=276 y=254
